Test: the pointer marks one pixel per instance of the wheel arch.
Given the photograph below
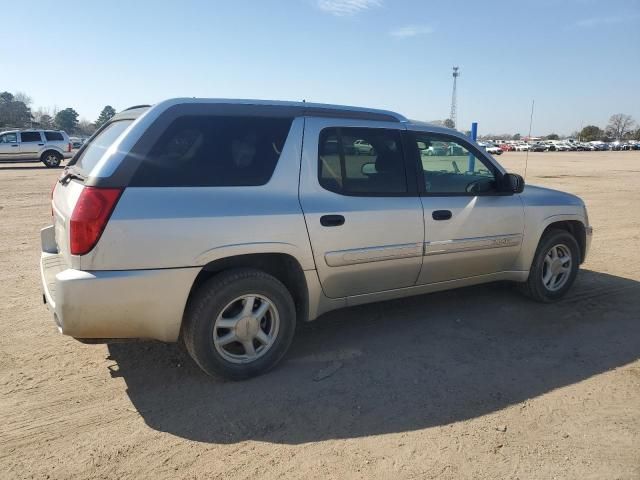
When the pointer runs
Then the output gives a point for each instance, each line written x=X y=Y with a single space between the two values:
x=575 y=228
x=283 y=266
x=572 y=223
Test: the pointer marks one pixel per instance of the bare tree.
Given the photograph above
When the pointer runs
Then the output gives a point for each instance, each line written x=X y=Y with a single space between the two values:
x=86 y=128
x=40 y=112
x=23 y=97
x=619 y=125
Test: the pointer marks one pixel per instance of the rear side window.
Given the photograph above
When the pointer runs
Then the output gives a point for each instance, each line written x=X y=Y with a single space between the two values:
x=214 y=151
x=93 y=152
x=361 y=161
x=53 y=136
x=30 y=137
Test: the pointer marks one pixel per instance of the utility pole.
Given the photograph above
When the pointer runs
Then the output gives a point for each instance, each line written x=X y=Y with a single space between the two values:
x=452 y=114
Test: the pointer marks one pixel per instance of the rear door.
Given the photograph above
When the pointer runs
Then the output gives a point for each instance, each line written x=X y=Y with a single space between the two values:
x=363 y=217
x=471 y=229
x=30 y=145
x=9 y=146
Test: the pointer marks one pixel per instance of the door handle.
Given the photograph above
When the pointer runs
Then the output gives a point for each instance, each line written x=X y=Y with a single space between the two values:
x=14 y=145
x=331 y=220
x=441 y=214
x=40 y=144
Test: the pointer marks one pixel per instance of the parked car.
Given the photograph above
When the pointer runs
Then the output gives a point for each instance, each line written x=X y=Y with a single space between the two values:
x=538 y=147
x=47 y=146
x=214 y=223
x=76 y=142
x=361 y=147
x=522 y=147
x=491 y=148
x=587 y=147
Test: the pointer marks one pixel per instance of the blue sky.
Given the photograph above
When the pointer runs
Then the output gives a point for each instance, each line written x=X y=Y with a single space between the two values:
x=579 y=59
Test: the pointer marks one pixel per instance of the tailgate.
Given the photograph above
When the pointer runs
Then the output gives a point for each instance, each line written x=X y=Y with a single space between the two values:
x=65 y=197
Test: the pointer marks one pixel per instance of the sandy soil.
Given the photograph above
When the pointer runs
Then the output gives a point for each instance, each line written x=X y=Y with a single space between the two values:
x=477 y=383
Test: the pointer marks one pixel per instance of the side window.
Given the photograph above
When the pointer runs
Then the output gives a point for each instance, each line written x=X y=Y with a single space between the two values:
x=361 y=161
x=26 y=137
x=53 y=136
x=449 y=168
x=214 y=151
x=9 y=138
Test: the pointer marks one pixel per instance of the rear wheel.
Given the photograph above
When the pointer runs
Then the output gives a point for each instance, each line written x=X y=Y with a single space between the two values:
x=239 y=324
x=51 y=159
x=554 y=267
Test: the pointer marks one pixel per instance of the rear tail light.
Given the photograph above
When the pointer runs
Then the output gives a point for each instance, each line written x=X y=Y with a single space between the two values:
x=69 y=147
x=90 y=217
x=53 y=189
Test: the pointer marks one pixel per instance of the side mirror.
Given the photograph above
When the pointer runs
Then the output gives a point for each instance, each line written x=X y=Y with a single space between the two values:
x=368 y=168
x=513 y=183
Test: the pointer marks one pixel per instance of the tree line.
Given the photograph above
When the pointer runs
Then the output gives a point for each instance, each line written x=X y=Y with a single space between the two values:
x=621 y=127
x=16 y=112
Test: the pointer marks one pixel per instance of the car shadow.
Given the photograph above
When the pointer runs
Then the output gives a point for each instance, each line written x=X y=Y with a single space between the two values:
x=396 y=366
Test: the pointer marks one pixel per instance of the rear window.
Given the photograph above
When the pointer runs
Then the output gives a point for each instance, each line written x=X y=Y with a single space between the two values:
x=30 y=137
x=214 y=151
x=93 y=152
x=53 y=136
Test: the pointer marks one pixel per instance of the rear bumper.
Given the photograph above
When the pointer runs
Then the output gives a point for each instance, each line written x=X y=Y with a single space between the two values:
x=115 y=304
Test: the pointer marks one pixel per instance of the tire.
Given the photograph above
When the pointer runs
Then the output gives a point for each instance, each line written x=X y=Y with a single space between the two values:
x=543 y=268
x=51 y=159
x=222 y=301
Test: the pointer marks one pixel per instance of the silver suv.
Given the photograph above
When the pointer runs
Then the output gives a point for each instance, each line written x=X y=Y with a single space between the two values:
x=223 y=223
x=47 y=146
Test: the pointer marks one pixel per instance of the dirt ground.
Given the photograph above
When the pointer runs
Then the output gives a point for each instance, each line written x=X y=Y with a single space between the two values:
x=478 y=383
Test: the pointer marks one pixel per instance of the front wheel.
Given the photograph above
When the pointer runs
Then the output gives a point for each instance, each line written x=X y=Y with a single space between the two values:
x=239 y=324
x=554 y=267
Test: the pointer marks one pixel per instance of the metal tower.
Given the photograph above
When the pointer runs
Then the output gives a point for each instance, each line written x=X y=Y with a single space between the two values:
x=452 y=114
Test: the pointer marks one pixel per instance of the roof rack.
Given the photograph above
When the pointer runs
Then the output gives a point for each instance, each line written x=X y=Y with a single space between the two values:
x=135 y=106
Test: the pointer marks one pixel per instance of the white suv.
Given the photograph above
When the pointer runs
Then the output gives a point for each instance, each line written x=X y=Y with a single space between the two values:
x=47 y=146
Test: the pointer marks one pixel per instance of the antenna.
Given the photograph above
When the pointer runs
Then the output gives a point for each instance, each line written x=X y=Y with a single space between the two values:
x=452 y=114
x=526 y=158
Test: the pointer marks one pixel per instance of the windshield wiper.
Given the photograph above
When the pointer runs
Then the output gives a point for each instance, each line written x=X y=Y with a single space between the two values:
x=70 y=175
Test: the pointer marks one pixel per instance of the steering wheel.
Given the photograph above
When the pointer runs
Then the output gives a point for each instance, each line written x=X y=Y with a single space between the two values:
x=474 y=187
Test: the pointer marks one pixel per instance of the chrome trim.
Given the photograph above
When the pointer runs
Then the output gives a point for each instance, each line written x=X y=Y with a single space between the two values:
x=354 y=256
x=475 y=243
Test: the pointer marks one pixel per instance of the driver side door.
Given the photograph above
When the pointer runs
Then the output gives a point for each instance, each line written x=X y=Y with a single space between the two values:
x=471 y=228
